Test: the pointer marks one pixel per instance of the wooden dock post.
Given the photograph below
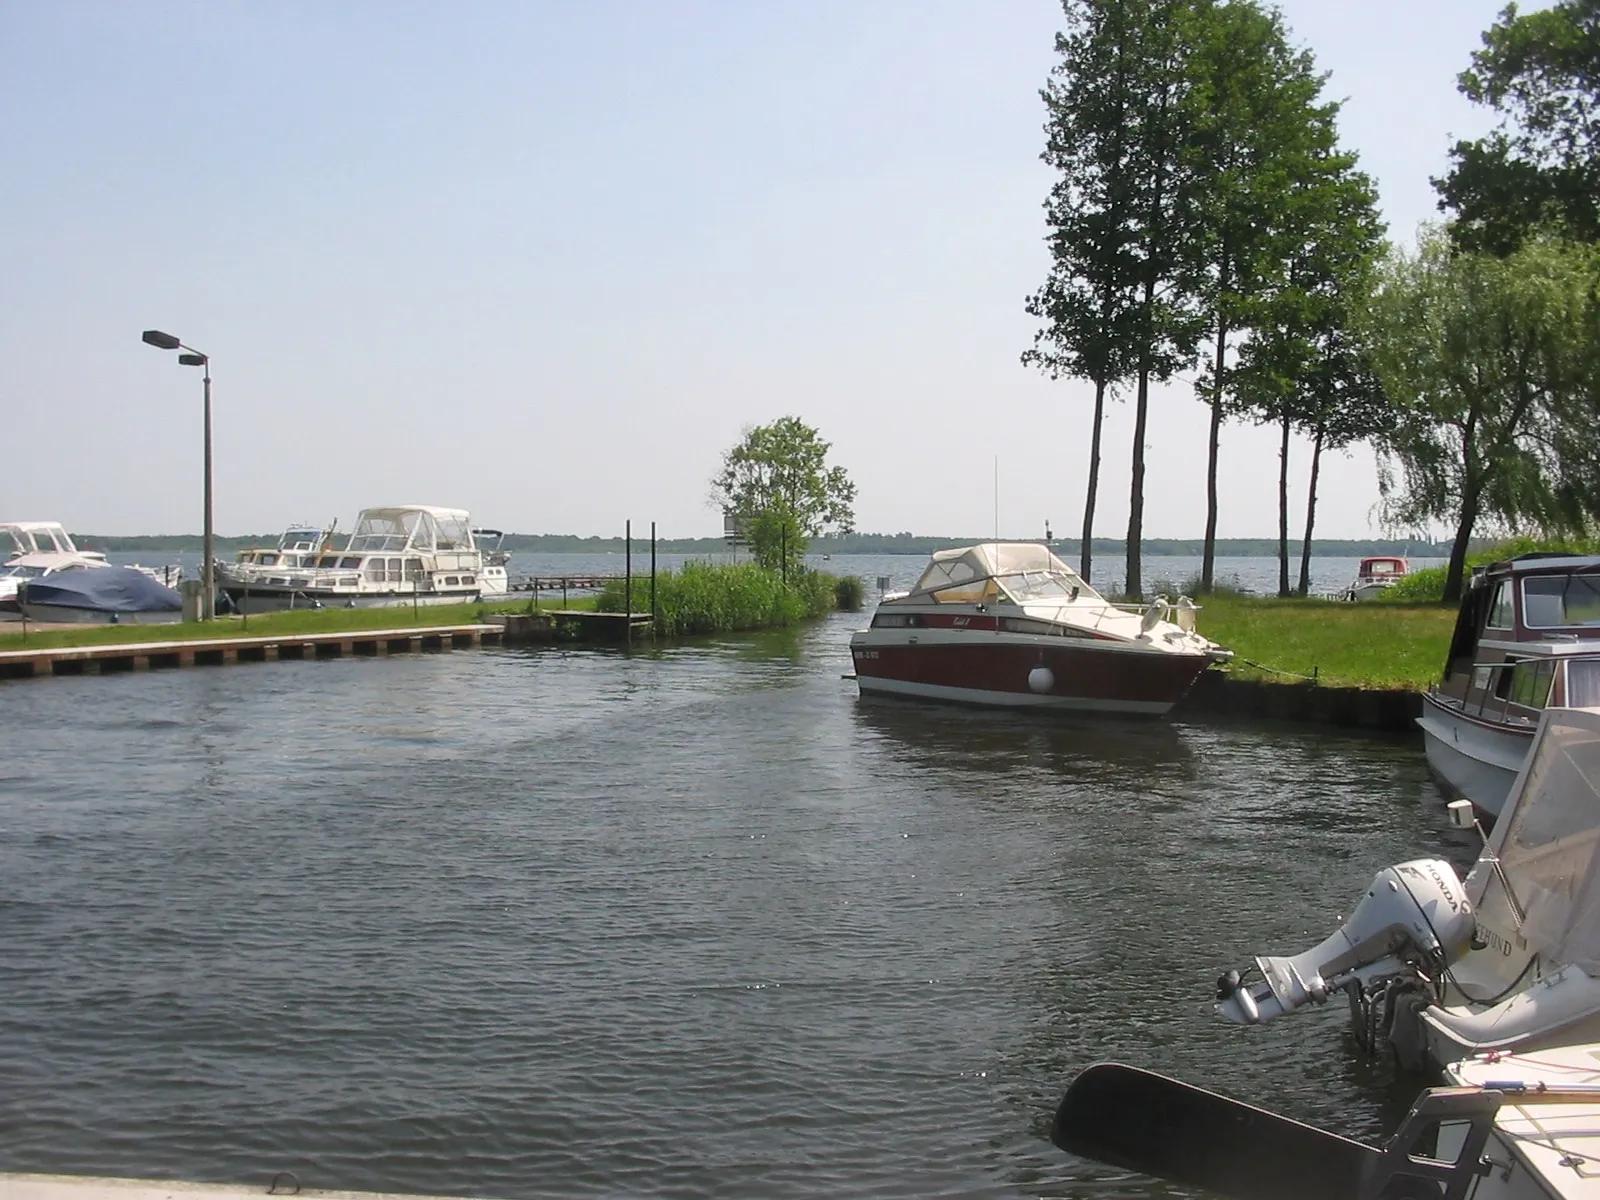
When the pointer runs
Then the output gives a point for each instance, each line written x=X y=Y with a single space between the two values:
x=627 y=578
x=652 y=581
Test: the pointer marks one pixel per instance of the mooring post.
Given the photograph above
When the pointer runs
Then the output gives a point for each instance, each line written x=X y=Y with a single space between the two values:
x=652 y=579
x=627 y=580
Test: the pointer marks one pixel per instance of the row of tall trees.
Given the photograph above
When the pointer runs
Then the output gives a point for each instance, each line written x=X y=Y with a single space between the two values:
x=1204 y=219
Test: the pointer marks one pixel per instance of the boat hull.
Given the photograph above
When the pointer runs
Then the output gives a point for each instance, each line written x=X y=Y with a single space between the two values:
x=277 y=599
x=1478 y=760
x=61 y=614
x=1004 y=672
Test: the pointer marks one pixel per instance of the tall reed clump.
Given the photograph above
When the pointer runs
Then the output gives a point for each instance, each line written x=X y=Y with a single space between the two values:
x=703 y=597
x=1427 y=585
x=848 y=593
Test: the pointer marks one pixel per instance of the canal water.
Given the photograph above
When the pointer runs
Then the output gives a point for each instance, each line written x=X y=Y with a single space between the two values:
x=695 y=922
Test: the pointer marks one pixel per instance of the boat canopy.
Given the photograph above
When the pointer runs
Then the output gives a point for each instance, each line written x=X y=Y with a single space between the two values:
x=411 y=527
x=34 y=537
x=105 y=589
x=1029 y=571
x=1551 y=848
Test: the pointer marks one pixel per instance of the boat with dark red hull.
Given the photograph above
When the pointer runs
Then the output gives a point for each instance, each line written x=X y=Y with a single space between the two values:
x=1009 y=624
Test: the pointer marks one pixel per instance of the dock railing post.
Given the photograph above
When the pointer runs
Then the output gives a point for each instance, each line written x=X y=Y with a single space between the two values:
x=652 y=579
x=627 y=581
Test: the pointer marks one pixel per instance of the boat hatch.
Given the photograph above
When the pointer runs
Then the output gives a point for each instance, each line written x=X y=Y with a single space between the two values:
x=1561 y=601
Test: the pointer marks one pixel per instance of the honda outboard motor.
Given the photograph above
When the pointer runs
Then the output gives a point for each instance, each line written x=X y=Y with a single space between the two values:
x=1414 y=920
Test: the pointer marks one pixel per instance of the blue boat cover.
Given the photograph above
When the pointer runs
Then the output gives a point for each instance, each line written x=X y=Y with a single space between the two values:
x=103 y=589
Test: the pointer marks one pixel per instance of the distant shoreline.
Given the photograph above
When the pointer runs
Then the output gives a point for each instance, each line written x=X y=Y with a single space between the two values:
x=866 y=544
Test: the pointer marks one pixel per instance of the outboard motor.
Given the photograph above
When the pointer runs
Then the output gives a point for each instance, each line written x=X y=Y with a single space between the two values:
x=1413 y=922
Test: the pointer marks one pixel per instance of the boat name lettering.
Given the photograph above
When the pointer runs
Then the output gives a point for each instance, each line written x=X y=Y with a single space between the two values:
x=1495 y=940
x=866 y=654
x=958 y=622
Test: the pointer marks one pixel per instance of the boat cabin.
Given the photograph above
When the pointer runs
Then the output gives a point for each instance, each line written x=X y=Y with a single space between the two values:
x=1527 y=636
x=1382 y=568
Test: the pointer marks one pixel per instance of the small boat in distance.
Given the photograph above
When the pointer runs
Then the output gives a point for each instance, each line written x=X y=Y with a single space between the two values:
x=1527 y=636
x=298 y=546
x=1377 y=573
x=404 y=554
x=1009 y=624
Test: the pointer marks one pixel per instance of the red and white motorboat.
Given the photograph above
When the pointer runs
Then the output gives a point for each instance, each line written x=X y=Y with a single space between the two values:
x=1010 y=624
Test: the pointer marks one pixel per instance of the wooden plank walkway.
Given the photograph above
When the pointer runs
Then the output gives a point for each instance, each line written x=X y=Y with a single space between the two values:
x=135 y=656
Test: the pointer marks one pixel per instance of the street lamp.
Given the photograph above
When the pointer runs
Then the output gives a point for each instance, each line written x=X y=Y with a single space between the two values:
x=165 y=341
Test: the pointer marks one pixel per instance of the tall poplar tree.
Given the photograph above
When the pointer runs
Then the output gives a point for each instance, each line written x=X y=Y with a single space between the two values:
x=1258 y=109
x=1119 y=301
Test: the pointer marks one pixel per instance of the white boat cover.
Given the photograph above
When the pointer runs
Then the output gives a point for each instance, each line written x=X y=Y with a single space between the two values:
x=1551 y=845
x=989 y=559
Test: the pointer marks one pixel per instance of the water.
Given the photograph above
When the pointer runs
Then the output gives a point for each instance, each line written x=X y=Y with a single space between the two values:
x=692 y=923
x=1161 y=572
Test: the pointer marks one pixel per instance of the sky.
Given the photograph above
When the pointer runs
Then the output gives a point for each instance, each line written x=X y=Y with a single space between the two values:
x=547 y=259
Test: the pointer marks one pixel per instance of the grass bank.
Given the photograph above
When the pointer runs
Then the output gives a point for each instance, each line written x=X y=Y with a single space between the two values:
x=704 y=597
x=317 y=620
x=1345 y=645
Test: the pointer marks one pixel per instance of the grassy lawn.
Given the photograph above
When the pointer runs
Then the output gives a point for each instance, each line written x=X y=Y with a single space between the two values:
x=321 y=620
x=1349 y=645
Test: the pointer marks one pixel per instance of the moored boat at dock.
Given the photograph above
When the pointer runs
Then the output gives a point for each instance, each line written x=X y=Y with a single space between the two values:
x=1009 y=624
x=1436 y=969
x=1527 y=636
x=104 y=595
x=404 y=554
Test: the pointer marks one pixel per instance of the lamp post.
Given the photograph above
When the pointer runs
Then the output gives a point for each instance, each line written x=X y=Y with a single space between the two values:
x=165 y=341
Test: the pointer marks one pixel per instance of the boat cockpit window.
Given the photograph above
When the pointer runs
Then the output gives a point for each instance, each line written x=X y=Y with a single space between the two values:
x=1530 y=682
x=1583 y=683
x=25 y=572
x=883 y=620
x=1500 y=614
x=1556 y=601
x=1046 y=585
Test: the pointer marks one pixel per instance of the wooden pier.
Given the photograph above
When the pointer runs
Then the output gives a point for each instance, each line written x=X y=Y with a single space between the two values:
x=138 y=656
x=578 y=625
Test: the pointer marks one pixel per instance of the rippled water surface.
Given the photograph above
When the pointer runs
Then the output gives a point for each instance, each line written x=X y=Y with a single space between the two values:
x=699 y=922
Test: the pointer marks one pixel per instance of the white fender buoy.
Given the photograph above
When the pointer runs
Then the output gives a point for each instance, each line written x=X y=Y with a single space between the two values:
x=1041 y=679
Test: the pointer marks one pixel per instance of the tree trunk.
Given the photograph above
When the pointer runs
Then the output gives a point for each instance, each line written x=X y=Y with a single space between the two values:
x=1134 y=585
x=1086 y=553
x=1311 y=516
x=1455 y=574
x=1209 y=554
x=1283 y=510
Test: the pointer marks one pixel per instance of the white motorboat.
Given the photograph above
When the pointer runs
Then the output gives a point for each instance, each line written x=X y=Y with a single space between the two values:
x=18 y=538
x=26 y=567
x=405 y=554
x=1376 y=574
x=1527 y=635
x=298 y=546
x=1439 y=970
x=1009 y=624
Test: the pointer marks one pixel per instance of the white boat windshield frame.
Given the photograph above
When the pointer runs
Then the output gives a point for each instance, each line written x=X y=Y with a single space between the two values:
x=411 y=528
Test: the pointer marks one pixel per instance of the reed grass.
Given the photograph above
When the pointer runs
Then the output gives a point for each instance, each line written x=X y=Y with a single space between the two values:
x=704 y=597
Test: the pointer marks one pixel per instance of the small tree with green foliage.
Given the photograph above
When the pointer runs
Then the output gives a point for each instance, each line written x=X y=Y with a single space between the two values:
x=777 y=485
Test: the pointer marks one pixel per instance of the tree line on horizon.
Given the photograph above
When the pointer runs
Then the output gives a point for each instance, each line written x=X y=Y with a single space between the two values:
x=1206 y=222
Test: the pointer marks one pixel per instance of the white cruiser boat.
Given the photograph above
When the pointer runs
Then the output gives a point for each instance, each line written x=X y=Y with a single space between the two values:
x=406 y=554
x=1440 y=970
x=1375 y=574
x=298 y=546
x=32 y=550
x=1010 y=624
x=1528 y=635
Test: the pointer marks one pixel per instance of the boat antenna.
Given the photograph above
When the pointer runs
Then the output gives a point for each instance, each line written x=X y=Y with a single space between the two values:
x=996 y=499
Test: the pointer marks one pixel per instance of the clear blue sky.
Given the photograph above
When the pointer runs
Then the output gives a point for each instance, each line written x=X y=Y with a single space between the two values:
x=544 y=260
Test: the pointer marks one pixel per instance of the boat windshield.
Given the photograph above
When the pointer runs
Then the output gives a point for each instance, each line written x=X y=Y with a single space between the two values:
x=1046 y=585
x=1557 y=601
x=22 y=573
x=1551 y=848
